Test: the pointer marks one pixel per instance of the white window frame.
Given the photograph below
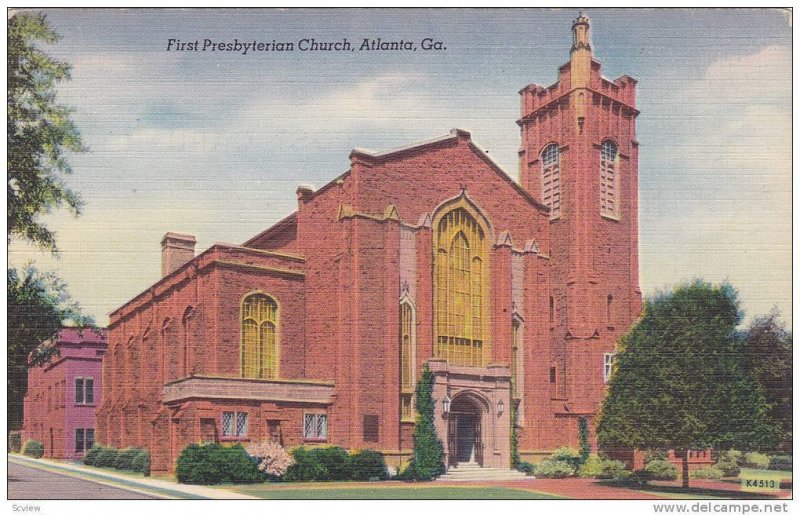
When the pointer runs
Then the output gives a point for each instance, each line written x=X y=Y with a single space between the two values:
x=551 y=179
x=318 y=429
x=235 y=428
x=609 y=181
x=608 y=365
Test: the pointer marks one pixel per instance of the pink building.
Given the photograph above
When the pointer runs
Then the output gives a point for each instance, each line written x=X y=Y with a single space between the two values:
x=62 y=396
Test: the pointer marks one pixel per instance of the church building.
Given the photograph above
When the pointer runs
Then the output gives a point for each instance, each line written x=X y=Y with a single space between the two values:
x=316 y=330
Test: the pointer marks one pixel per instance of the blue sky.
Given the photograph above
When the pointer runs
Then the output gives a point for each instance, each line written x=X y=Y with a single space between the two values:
x=215 y=144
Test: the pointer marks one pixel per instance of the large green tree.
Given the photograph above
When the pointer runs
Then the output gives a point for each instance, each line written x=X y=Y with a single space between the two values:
x=680 y=381
x=427 y=461
x=40 y=132
x=768 y=358
x=38 y=305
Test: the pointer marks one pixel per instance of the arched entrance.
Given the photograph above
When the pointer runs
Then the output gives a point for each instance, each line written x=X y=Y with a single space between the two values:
x=464 y=432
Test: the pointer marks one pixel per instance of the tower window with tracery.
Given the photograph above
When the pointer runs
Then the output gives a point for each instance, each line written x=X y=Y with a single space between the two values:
x=259 y=353
x=461 y=289
x=406 y=361
x=551 y=179
x=609 y=177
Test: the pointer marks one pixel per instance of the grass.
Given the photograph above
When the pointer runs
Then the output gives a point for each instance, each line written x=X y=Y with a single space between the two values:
x=783 y=475
x=383 y=491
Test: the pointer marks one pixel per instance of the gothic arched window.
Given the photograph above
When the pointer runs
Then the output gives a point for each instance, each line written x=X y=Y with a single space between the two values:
x=551 y=179
x=609 y=179
x=461 y=288
x=259 y=352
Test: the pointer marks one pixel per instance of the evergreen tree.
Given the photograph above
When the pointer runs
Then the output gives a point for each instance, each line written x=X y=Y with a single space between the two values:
x=427 y=462
x=768 y=358
x=583 y=440
x=680 y=381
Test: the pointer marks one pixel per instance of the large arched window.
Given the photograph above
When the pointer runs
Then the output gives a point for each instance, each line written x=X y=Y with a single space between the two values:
x=551 y=179
x=461 y=288
x=406 y=360
x=609 y=178
x=259 y=353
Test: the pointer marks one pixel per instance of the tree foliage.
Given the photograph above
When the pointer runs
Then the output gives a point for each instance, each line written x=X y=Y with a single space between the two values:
x=40 y=132
x=768 y=358
x=38 y=306
x=680 y=381
x=427 y=461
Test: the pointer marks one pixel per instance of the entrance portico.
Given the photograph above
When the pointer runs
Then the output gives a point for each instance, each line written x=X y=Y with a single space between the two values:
x=471 y=413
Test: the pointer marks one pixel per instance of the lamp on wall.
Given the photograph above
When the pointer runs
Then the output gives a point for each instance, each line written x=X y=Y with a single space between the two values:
x=446 y=404
x=501 y=407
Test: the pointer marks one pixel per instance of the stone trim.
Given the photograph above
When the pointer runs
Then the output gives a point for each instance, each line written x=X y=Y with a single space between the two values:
x=302 y=392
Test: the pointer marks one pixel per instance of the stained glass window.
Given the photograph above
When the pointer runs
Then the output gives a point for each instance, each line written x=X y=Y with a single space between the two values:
x=259 y=353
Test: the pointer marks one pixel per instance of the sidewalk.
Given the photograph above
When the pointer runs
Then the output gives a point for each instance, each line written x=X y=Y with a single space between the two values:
x=155 y=487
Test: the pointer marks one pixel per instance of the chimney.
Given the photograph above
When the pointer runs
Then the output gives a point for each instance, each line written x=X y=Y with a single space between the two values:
x=176 y=250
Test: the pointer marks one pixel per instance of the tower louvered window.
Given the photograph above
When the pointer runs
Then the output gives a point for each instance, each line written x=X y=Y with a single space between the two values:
x=259 y=353
x=551 y=179
x=609 y=202
x=461 y=289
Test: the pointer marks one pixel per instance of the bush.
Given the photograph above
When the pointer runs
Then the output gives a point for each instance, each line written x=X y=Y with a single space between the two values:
x=734 y=456
x=567 y=455
x=33 y=449
x=706 y=473
x=602 y=468
x=14 y=441
x=91 y=455
x=125 y=458
x=427 y=461
x=661 y=470
x=527 y=468
x=212 y=464
x=337 y=462
x=655 y=455
x=756 y=460
x=368 y=465
x=107 y=457
x=271 y=458
x=306 y=467
x=141 y=463
x=728 y=466
x=554 y=469
x=780 y=463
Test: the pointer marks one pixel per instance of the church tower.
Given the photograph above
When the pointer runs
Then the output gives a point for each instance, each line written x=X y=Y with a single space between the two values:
x=579 y=156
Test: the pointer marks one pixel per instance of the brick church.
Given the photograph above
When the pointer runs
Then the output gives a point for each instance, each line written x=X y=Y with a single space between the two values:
x=316 y=330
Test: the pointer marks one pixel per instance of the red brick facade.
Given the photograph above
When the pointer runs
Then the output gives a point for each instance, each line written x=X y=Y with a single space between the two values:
x=338 y=268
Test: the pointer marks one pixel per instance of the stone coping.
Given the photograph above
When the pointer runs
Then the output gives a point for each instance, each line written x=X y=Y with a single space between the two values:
x=294 y=391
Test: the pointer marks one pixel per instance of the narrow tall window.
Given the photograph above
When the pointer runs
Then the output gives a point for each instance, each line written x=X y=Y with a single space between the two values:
x=516 y=361
x=89 y=391
x=609 y=302
x=609 y=202
x=79 y=391
x=461 y=288
x=80 y=442
x=608 y=366
x=259 y=353
x=89 y=438
x=406 y=361
x=551 y=179
x=552 y=310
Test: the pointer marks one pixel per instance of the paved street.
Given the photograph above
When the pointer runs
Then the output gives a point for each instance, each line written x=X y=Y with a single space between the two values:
x=30 y=483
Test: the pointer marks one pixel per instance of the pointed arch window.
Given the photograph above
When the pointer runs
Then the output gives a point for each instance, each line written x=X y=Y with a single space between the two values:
x=259 y=351
x=461 y=288
x=609 y=179
x=551 y=179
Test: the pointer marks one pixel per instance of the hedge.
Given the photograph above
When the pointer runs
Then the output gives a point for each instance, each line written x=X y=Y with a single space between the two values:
x=33 y=449
x=368 y=465
x=107 y=457
x=141 y=463
x=213 y=464
x=91 y=455
x=336 y=464
x=125 y=458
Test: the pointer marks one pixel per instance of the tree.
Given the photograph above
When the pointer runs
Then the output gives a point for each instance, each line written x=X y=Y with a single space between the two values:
x=38 y=306
x=680 y=381
x=768 y=358
x=39 y=132
x=427 y=461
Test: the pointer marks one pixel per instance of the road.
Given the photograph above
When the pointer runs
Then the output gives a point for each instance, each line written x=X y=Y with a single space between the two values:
x=30 y=483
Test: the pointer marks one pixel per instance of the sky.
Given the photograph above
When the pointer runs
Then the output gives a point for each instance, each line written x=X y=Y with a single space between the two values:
x=216 y=143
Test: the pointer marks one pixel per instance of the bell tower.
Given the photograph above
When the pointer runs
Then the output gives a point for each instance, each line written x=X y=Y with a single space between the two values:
x=579 y=156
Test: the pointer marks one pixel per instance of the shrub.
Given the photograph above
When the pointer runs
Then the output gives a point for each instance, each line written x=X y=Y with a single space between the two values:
x=734 y=456
x=107 y=457
x=306 y=467
x=554 y=469
x=583 y=439
x=141 y=463
x=780 y=463
x=91 y=455
x=567 y=455
x=368 y=465
x=661 y=470
x=14 y=441
x=271 y=458
x=706 y=473
x=527 y=468
x=125 y=458
x=655 y=455
x=33 y=449
x=337 y=462
x=756 y=460
x=602 y=468
x=427 y=461
x=212 y=464
x=728 y=466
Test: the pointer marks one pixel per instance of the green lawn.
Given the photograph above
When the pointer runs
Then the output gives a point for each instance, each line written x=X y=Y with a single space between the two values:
x=383 y=491
x=783 y=475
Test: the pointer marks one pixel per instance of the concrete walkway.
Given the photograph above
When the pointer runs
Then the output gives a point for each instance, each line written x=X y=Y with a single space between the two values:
x=154 y=487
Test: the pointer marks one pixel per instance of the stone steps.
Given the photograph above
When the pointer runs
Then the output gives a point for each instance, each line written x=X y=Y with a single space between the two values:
x=474 y=472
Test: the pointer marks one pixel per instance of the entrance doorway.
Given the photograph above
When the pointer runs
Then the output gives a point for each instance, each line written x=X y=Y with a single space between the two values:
x=464 y=433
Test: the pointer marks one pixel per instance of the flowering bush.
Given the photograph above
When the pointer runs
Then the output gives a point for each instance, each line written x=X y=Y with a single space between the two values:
x=271 y=458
